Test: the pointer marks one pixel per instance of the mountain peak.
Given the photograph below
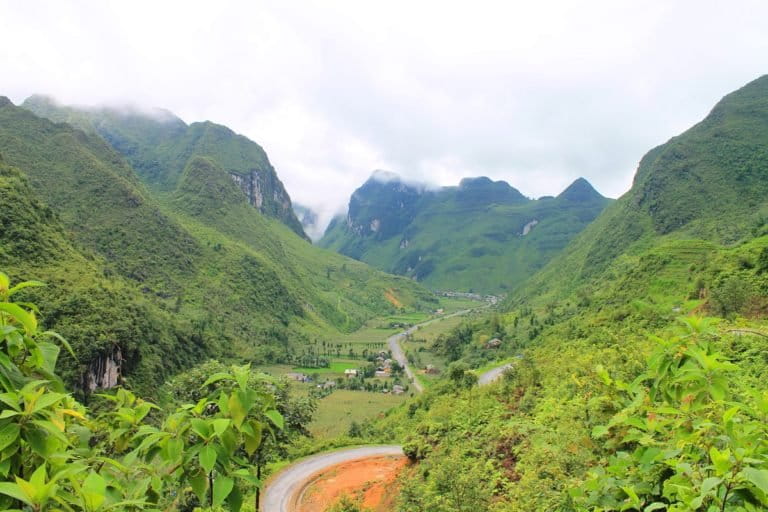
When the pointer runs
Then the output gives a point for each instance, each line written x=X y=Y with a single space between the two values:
x=383 y=176
x=482 y=189
x=580 y=190
x=5 y=101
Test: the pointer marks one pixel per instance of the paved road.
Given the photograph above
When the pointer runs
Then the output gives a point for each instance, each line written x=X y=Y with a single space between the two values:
x=399 y=355
x=492 y=374
x=284 y=489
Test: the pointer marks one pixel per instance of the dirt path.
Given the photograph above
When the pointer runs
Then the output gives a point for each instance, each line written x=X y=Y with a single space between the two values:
x=285 y=488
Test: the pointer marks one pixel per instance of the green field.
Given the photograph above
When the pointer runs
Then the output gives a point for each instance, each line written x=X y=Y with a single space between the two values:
x=337 y=366
x=336 y=412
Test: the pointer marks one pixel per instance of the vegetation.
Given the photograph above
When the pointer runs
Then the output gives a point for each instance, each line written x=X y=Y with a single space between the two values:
x=131 y=456
x=467 y=238
x=169 y=278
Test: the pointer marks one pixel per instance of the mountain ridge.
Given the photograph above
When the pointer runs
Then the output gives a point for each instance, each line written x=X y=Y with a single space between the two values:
x=428 y=232
x=159 y=145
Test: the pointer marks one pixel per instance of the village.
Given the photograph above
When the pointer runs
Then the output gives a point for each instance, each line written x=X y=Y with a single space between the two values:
x=381 y=374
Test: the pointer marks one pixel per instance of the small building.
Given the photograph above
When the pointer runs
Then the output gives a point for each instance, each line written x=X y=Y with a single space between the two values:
x=329 y=384
x=397 y=389
x=439 y=311
x=431 y=370
x=387 y=363
x=382 y=374
x=298 y=377
x=350 y=373
x=494 y=343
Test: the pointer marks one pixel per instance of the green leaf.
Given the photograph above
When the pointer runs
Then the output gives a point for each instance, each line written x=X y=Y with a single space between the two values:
x=8 y=435
x=47 y=400
x=235 y=500
x=216 y=377
x=64 y=343
x=15 y=492
x=94 y=489
x=710 y=483
x=758 y=478
x=220 y=425
x=730 y=413
x=201 y=428
x=50 y=353
x=222 y=486
x=236 y=409
x=207 y=457
x=721 y=460
x=25 y=318
x=21 y=286
x=655 y=506
x=276 y=418
x=5 y=283
x=199 y=483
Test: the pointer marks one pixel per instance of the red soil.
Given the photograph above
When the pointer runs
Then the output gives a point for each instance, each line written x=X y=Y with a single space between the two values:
x=371 y=479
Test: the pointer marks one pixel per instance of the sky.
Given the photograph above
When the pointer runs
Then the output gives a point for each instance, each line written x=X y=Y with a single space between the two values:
x=534 y=93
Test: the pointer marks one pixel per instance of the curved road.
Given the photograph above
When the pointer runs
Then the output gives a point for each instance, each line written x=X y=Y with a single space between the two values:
x=284 y=489
x=492 y=374
x=397 y=350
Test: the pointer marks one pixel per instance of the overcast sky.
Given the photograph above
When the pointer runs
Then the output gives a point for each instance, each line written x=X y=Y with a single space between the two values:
x=535 y=93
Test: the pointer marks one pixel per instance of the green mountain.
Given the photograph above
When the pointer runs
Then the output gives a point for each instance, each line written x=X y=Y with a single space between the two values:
x=480 y=236
x=703 y=189
x=166 y=278
x=158 y=146
x=619 y=396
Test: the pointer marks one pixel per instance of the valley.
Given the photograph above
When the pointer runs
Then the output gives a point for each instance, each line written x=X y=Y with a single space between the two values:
x=171 y=339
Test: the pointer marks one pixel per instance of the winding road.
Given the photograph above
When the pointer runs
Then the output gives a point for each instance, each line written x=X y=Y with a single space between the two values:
x=397 y=350
x=284 y=490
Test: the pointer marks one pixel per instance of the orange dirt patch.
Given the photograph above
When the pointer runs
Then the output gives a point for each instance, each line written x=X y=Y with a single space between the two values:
x=390 y=296
x=371 y=480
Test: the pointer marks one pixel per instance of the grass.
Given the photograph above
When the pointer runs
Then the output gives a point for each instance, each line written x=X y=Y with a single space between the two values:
x=337 y=366
x=337 y=411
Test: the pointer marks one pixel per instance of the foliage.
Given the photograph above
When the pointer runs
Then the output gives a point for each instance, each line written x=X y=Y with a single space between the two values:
x=54 y=456
x=688 y=435
x=168 y=278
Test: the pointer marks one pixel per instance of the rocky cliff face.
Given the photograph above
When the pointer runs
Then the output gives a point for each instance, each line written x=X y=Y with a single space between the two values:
x=104 y=372
x=159 y=146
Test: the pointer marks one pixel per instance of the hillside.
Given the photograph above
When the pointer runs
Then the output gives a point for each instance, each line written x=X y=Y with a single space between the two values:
x=620 y=396
x=158 y=145
x=708 y=183
x=480 y=236
x=207 y=273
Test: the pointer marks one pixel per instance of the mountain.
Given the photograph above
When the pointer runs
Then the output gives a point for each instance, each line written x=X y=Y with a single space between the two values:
x=165 y=278
x=158 y=145
x=618 y=382
x=481 y=236
x=703 y=189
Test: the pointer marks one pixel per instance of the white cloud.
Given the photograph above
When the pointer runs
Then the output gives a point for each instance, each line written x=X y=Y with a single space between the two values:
x=536 y=93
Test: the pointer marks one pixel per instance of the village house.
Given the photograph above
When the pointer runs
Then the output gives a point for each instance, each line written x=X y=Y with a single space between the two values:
x=431 y=370
x=298 y=377
x=397 y=389
x=382 y=374
x=494 y=343
x=350 y=373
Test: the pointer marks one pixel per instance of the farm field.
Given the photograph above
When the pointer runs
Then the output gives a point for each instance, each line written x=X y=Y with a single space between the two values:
x=336 y=412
